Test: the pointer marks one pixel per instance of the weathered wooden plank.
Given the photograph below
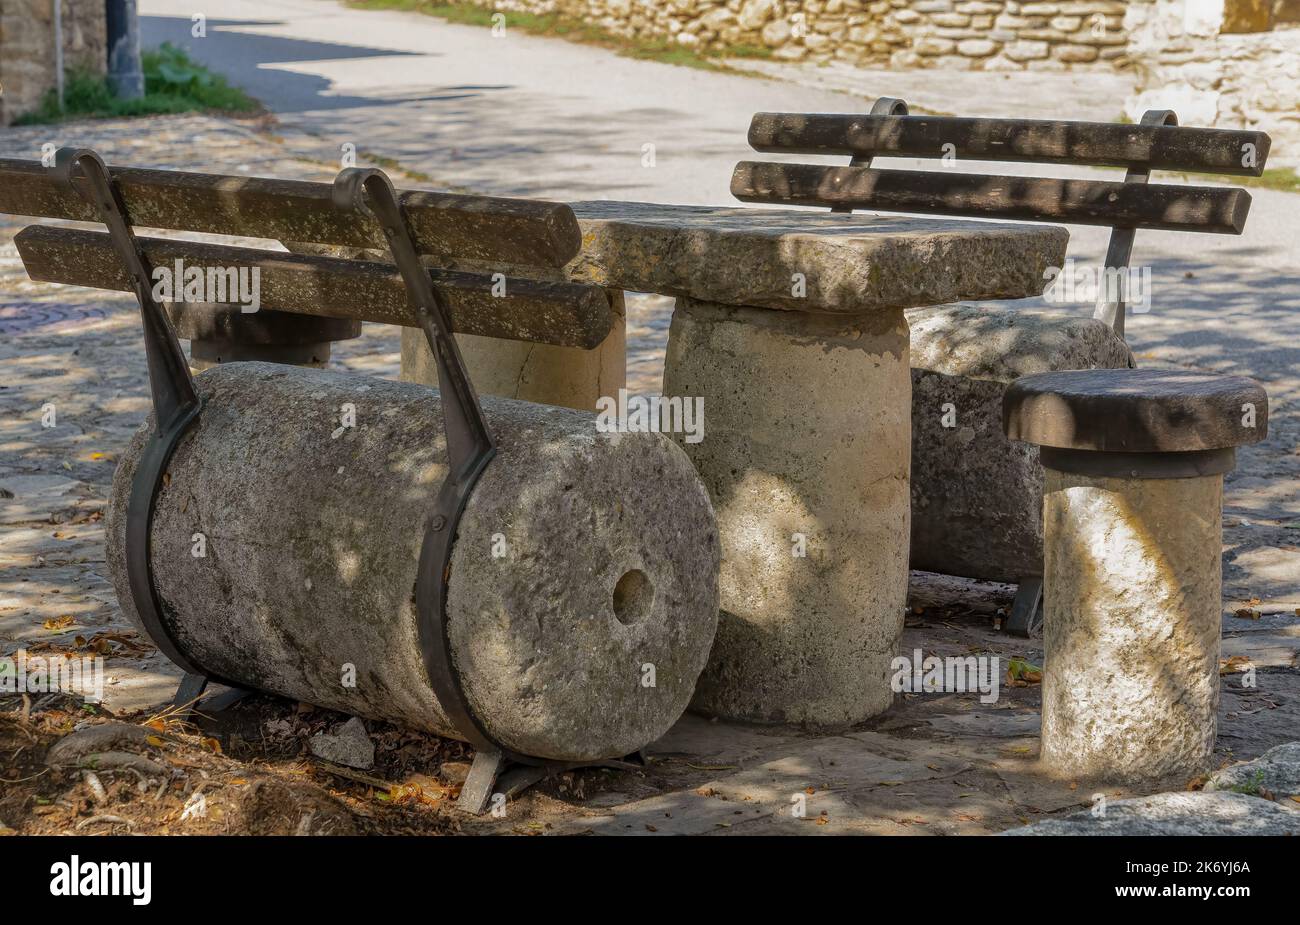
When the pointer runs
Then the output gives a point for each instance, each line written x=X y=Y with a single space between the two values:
x=563 y=313
x=1219 y=210
x=1100 y=144
x=450 y=226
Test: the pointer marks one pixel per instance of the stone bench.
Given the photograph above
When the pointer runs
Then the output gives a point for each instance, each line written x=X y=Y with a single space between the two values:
x=976 y=498
x=1133 y=501
x=378 y=547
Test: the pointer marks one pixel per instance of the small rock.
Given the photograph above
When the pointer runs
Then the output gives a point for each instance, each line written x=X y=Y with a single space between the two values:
x=1276 y=773
x=349 y=745
x=456 y=772
x=1181 y=813
x=92 y=739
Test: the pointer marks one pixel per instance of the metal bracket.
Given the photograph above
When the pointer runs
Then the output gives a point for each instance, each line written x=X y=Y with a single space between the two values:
x=1120 y=249
x=176 y=402
x=492 y=775
x=884 y=106
x=470 y=447
x=1027 y=608
x=469 y=443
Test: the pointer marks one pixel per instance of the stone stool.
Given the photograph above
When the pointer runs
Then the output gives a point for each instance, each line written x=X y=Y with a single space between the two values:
x=1132 y=502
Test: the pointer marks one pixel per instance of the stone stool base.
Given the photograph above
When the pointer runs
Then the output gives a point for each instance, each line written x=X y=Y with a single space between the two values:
x=566 y=376
x=1132 y=505
x=806 y=432
x=1131 y=623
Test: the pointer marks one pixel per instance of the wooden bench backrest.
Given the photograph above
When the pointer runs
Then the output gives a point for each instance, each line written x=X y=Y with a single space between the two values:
x=949 y=192
x=474 y=245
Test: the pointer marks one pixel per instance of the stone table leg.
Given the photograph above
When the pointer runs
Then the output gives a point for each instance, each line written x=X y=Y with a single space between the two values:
x=806 y=454
x=1132 y=614
x=550 y=375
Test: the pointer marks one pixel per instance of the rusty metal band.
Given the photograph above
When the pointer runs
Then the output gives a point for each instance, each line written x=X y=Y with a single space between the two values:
x=470 y=447
x=176 y=403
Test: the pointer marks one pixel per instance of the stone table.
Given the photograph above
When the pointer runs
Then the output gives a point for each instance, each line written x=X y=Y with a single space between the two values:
x=789 y=325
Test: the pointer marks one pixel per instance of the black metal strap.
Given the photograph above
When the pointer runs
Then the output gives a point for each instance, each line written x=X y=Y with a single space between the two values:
x=1120 y=249
x=884 y=106
x=176 y=402
x=470 y=448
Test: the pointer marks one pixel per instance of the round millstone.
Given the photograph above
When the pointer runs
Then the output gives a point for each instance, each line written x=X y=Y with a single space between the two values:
x=583 y=591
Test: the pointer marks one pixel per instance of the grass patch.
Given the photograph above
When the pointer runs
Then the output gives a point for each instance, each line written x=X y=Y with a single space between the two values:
x=554 y=25
x=1286 y=179
x=173 y=83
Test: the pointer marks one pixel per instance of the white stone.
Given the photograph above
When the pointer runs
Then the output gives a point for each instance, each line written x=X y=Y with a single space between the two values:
x=1131 y=613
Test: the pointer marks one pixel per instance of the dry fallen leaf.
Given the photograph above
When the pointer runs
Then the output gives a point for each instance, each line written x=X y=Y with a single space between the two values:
x=58 y=623
x=1236 y=663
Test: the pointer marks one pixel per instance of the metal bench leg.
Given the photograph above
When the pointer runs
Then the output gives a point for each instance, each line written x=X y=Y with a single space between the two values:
x=1027 y=610
x=191 y=689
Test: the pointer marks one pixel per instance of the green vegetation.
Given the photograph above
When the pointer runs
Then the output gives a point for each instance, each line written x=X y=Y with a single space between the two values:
x=556 y=26
x=173 y=83
x=1254 y=787
x=1286 y=179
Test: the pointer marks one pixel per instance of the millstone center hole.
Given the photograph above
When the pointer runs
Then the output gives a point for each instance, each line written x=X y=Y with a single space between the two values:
x=633 y=597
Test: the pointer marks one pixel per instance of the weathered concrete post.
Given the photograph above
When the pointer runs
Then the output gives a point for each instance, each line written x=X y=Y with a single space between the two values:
x=566 y=376
x=810 y=482
x=1134 y=464
x=285 y=545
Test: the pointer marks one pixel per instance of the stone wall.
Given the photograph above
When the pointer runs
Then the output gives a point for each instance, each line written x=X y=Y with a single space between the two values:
x=1186 y=58
x=950 y=34
x=27 y=48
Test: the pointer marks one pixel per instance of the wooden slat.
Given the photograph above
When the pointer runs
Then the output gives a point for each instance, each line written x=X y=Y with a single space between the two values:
x=1219 y=210
x=1100 y=144
x=450 y=226
x=567 y=314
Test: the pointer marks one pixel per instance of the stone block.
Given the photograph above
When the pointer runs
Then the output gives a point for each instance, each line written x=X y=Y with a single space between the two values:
x=976 y=48
x=1026 y=51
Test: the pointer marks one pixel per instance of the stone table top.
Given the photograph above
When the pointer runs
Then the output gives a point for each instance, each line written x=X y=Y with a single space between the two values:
x=851 y=264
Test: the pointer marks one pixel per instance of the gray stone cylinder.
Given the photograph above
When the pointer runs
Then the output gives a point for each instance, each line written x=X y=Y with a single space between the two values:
x=583 y=591
x=1132 y=613
x=805 y=452
x=570 y=377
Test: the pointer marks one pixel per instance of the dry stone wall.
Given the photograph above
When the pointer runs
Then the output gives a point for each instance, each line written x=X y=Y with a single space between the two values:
x=1195 y=57
x=27 y=57
x=949 y=34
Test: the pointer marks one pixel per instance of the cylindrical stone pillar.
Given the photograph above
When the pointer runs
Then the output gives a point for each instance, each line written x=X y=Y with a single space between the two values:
x=285 y=545
x=805 y=453
x=569 y=377
x=1132 y=611
x=1132 y=506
